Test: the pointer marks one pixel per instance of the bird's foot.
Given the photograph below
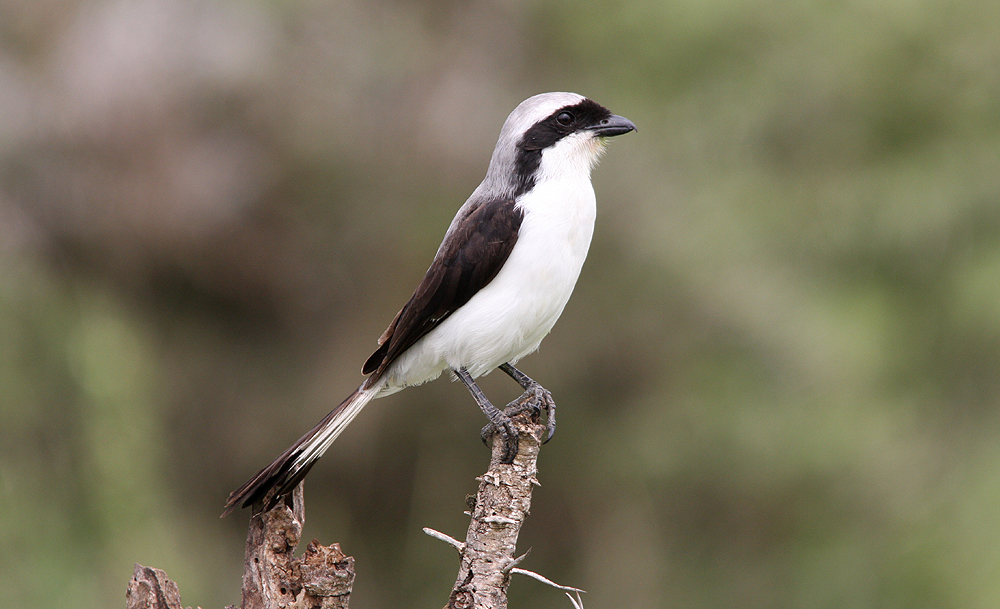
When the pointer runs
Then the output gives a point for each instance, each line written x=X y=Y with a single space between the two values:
x=539 y=397
x=500 y=423
x=534 y=398
x=536 y=394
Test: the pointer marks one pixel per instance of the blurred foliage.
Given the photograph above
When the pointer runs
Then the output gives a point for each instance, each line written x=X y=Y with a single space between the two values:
x=778 y=375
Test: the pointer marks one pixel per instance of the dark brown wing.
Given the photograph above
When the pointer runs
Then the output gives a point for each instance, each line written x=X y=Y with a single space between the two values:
x=471 y=256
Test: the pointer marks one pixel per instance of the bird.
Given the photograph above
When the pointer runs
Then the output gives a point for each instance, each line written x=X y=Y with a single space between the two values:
x=498 y=282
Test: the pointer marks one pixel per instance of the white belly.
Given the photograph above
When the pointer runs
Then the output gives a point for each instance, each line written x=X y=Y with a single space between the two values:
x=508 y=318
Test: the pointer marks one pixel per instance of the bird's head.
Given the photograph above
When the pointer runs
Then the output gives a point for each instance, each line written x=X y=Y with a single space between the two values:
x=551 y=134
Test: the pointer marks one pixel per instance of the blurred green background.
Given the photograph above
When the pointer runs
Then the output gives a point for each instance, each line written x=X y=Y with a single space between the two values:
x=778 y=378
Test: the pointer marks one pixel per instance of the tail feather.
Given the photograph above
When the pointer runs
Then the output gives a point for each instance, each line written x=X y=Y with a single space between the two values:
x=292 y=465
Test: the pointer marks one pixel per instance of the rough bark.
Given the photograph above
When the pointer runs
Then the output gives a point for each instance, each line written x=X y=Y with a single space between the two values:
x=501 y=504
x=273 y=578
x=151 y=589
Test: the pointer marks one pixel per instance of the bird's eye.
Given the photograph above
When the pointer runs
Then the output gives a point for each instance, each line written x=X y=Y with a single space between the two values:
x=565 y=119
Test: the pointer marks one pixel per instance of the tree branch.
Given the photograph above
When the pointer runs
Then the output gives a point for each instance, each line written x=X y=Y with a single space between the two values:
x=503 y=501
x=272 y=577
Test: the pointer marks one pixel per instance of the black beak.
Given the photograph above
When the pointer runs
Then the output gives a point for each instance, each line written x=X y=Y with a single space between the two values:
x=613 y=125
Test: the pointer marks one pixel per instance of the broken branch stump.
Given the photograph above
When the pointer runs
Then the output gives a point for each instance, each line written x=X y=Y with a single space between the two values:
x=273 y=578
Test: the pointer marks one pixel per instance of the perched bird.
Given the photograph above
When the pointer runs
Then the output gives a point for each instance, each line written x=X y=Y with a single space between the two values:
x=497 y=284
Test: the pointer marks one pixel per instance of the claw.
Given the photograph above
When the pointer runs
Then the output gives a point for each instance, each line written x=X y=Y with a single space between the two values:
x=540 y=394
x=500 y=423
x=534 y=397
x=543 y=397
x=510 y=444
x=508 y=435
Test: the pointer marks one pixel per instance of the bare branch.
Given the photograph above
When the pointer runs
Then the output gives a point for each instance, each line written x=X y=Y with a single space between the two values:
x=502 y=503
x=272 y=577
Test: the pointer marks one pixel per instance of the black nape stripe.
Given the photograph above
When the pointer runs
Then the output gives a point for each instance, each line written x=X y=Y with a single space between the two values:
x=547 y=132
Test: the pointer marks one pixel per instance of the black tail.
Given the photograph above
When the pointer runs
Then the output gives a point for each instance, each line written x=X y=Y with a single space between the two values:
x=291 y=466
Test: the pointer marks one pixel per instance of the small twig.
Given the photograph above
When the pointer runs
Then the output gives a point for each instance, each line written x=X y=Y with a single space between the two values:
x=448 y=539
x=577 y=602
x=545 y=580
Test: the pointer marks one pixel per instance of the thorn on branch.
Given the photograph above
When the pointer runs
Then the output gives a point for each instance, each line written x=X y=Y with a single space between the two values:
x=516 y=561
x=577 y=602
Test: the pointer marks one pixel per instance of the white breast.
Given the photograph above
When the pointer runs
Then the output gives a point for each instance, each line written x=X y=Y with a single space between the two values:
x=508 y=318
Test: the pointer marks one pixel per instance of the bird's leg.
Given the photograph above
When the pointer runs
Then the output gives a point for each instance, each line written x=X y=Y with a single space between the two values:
x=532 y=390
x=499 y=421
